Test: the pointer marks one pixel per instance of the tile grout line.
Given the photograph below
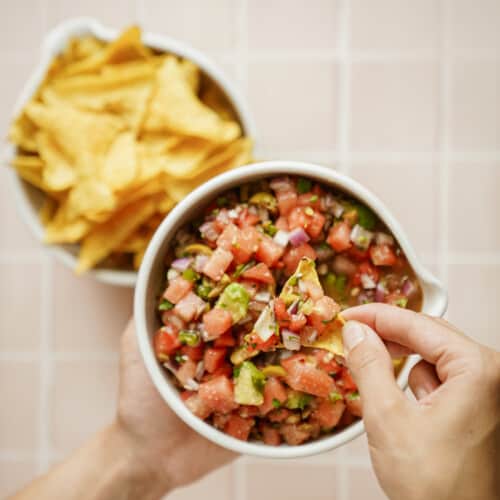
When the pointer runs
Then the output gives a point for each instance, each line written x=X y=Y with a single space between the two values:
x=443 y=140
x=44 y=447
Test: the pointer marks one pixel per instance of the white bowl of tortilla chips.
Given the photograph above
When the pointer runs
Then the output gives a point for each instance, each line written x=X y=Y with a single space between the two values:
x=110 y=131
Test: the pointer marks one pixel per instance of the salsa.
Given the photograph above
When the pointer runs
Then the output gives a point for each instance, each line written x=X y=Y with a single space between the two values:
x=251 y=307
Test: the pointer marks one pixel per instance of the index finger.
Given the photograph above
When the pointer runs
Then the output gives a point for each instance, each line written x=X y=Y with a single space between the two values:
x=422 y=334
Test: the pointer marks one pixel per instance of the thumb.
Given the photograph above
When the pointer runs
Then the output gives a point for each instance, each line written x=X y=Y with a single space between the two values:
x=371 y=366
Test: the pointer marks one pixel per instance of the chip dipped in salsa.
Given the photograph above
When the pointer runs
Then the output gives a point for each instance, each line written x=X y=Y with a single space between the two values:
x=251 y=310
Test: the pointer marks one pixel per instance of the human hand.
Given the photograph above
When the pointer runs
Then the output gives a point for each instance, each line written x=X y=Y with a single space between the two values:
x=447 y=443
x=162 y=447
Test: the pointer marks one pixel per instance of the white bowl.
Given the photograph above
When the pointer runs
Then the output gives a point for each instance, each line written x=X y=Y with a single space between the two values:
x=151 y=275
x=28 y=198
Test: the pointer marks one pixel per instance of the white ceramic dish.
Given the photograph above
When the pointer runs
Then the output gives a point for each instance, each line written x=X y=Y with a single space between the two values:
x=29 y=198
x=152 y=272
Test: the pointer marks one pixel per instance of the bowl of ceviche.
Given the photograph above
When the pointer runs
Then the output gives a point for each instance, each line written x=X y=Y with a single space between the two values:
x=238 y=304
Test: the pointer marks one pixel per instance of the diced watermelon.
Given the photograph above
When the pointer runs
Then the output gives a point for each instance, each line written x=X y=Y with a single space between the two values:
x=198 y=407
x=190 y=307
x=326 y=361
x=269 y=252
x=228 y=237
x=239 y=427
x=177 y=289
x=246 y=245
x=308 y=219
x=193 y=353
x=186 y=371
x=216 y=322
x=328 y=414
x=247 y=219
x=225 y=340
x=324 y=311
x=287 y=200
x=304 y=377
x=217 y=264
x=260 y=272
x=270 y=435
x=217 y=393
x=310 y=199
x=339 y=237
x=282 y=223
x=293 y=255
x=274 y=391
x=166 y=341
x=382 y=255
x=214 y=358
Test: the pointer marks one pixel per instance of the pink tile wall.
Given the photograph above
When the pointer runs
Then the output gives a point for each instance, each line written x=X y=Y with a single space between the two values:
x=402 y=95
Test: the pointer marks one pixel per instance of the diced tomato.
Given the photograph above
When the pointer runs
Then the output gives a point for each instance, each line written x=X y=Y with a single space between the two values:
x=247 y=219
x=257 y=344
x=280 y=310
x=311 y=222
x=270 y=435
x=295 y=434
x=353 y=403
x=287 y=200
x=309 y=200
x=217 y=264
x=282 y=223
x=216 y=322
x=189 y=307
x=260 y=272
x=278 y=415
x=166 y=341
x=328 y=414
x=177 y=289
x=298 y=218
x=297 y=322
x=225 y=369
x=293 y=255
x=382 y=255
x=225 y=340
x=304 y=377
x=198 y=407
x=210 y=231
x=214 y=358
x=218 y=394
x=269 y=252
x=346 y=381
x=186 y=371
x=358 y=254
x=325 y=309
x=339 y=237
x=193 y=353
x=239 y=427
x=316 y=224
x=365 y=268
x=326 y=361
x=274 y=390
x=289 y=362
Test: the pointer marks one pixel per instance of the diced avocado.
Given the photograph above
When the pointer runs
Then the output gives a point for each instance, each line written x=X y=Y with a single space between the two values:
x=366 y=218
x=249 y=385
x=297 y=400
x=234 y=299
x=274 y=371
x=265 y=200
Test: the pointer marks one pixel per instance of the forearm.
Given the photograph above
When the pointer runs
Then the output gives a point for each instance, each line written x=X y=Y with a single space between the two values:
x=104 y=468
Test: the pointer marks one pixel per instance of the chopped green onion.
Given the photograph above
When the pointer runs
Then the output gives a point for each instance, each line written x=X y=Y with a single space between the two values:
x=165 y=305
x=189 y=337
x=303 y=185
x=276 y=404
x=190 y=275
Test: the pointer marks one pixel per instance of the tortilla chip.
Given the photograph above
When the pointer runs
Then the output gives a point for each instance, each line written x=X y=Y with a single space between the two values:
x=104 y=238
x=47 y=210
x=175 y=107
x=90 y=198
x=191 y=74
x=120 y=165
x=22 y=133
x=62 y=230
x=331 y=339
x=30 y=162
x=213 y=97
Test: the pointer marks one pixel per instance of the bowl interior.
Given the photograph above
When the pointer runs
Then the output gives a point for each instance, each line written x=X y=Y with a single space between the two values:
x=151 y=278
x=30 y=199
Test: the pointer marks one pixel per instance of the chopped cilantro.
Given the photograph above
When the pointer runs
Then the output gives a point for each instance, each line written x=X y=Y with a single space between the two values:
x=165 y=305
x=303 y=185
x=276 y=404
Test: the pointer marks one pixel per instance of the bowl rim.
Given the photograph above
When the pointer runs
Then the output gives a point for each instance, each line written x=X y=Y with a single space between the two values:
x=209 y=190
x=51 y=45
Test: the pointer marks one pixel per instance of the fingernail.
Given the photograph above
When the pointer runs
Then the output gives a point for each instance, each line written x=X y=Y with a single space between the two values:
x=352 y=333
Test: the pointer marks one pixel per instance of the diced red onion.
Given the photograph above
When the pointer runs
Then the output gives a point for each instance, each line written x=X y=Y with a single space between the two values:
x=263 y=296
x=383 y=239
x=291 y=340
x=361 y=237
x=380 y=293
x=294 y=307
x=233 y=213
x=408 y=287
x=191 y=385
x=182 y=264
x=208 y=231
x=337 y=209
x=344 y=265
x=256 y=306
x=280 y=184
x=172 y=274
x=368 y=282
x=200 y=369
x=281 y=238
x=298 y=236
x=199 y=262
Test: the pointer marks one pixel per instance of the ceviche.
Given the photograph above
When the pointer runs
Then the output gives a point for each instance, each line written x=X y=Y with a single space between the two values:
x=251 y=307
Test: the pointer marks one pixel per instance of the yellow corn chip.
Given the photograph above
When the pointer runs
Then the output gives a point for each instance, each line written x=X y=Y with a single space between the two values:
x=30 y=162
x=120 y=164
x=22 y=133
x=103 y=238
x=175 y=107
x=90 y=198
x=47 y=210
